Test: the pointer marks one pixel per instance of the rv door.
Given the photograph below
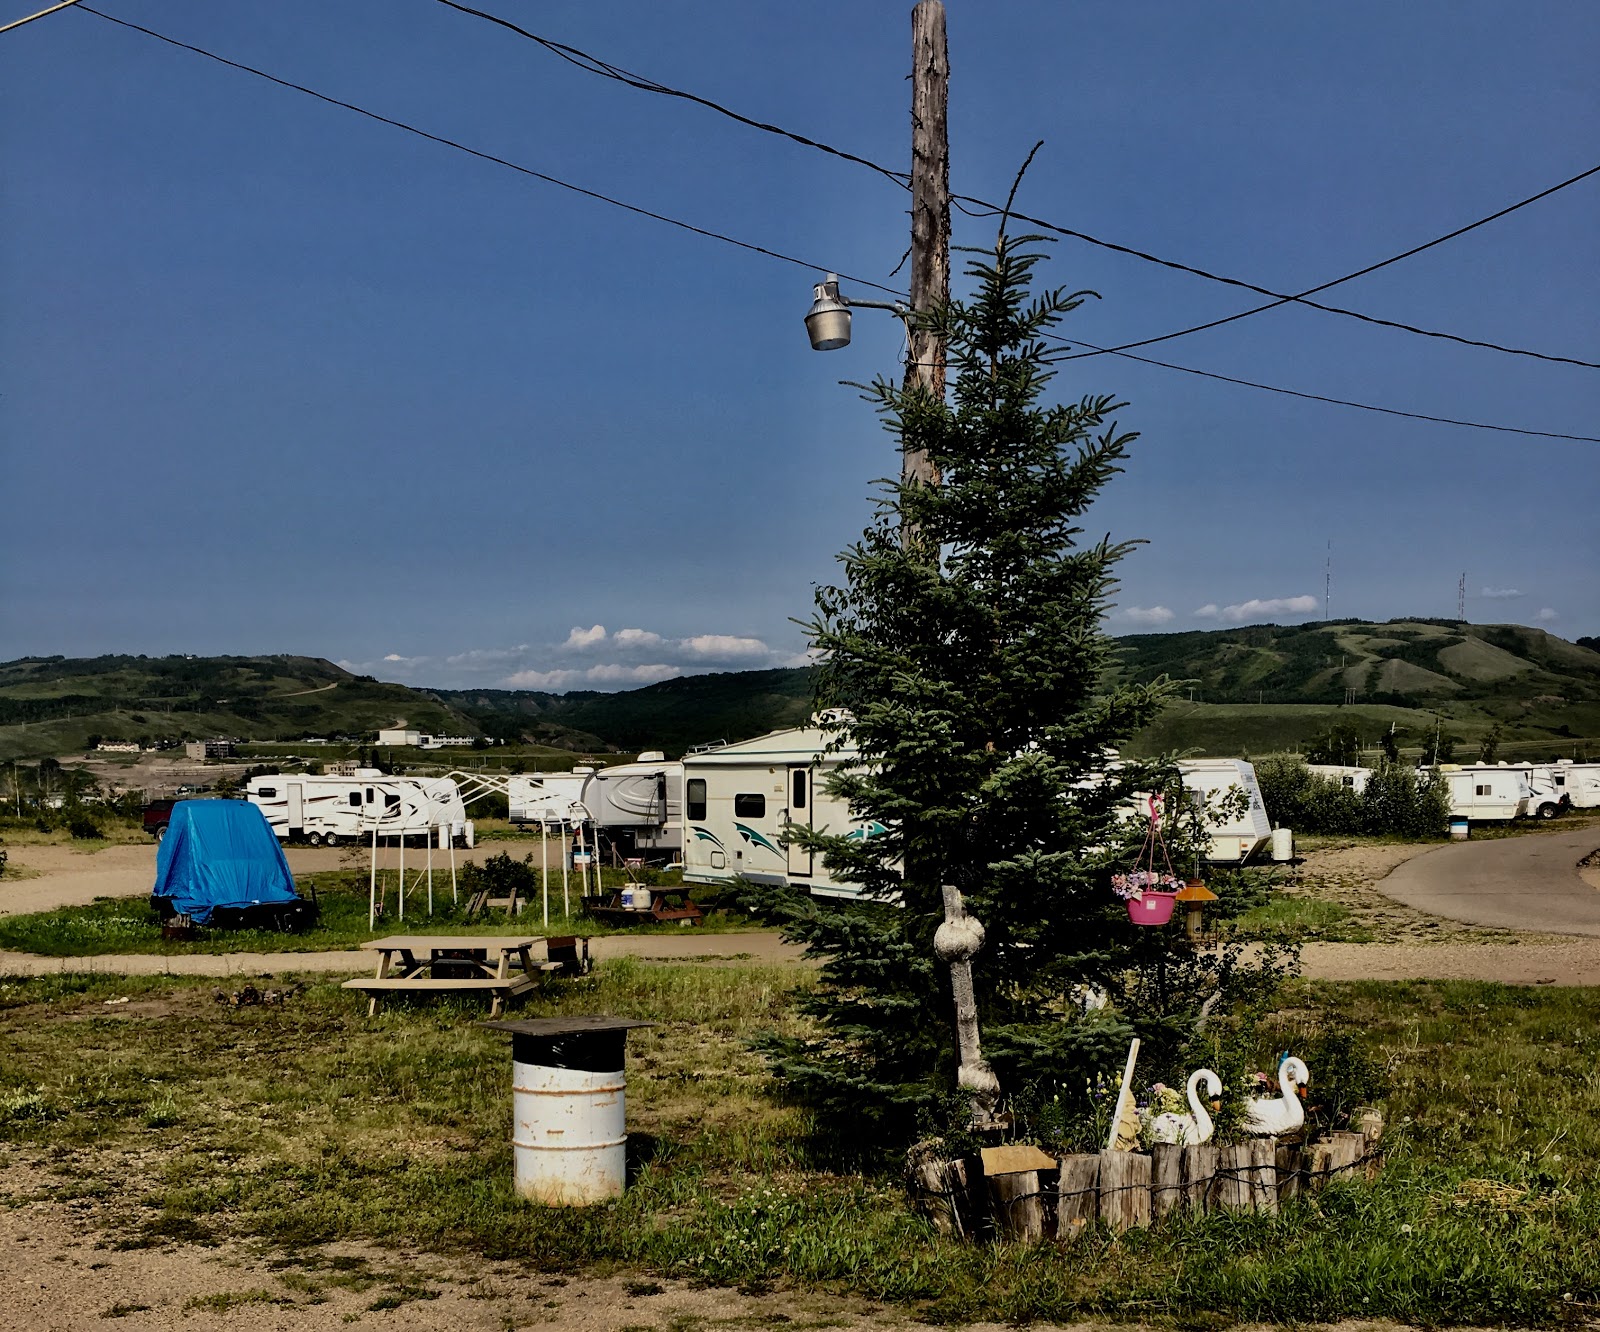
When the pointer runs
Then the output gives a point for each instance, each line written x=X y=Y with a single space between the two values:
x=800 y=857
x=297 y=818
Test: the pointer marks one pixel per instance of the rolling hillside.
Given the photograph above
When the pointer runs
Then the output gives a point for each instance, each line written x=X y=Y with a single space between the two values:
x=1255 y=689
x=53 y=705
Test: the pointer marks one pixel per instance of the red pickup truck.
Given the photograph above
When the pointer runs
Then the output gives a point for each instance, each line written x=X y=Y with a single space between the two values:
x=157 y=814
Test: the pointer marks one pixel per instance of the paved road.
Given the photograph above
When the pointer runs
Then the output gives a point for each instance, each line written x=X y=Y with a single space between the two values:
x=1512 y=883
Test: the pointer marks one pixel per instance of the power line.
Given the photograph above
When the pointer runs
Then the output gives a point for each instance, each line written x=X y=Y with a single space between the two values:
x=474 y=152
x=595 y=65
x=763 y=250
x=43 y=13
x=1373 y=268
x=1338 y=402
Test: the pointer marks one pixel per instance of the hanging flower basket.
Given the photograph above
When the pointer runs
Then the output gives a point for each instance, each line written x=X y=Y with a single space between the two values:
x=1151 y=908
x=1149 y=892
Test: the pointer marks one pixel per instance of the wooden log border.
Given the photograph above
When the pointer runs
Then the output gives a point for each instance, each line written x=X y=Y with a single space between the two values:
x=1130 y=1190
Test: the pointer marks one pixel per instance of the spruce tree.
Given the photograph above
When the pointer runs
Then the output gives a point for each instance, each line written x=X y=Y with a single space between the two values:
x=964 y=657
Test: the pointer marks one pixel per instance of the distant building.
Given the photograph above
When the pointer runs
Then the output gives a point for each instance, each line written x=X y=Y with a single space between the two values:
x=341 y=768
x=400 y=737
x=117 y=747
x=208 y=749
x=446 y=741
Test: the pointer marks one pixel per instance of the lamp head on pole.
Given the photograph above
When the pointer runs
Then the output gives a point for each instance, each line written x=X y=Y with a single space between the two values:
x=828 y=323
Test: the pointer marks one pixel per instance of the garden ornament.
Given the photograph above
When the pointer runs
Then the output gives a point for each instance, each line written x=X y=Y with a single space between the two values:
x=955 y=942
x=1195 y=1127
x=1267 y=1116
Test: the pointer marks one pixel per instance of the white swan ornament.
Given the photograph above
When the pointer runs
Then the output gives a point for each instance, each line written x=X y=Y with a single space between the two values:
x=1194 y=1128
x=1266 y=1116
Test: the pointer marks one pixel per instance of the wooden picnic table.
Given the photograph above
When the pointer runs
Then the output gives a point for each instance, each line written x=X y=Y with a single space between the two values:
x=500 y=965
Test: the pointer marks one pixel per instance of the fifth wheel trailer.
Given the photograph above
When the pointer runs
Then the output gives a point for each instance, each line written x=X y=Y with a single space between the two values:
x=1235 y=836
x=739 y=801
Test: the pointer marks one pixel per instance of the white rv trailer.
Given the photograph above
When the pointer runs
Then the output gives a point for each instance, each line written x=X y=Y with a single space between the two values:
x=1341 y=774
x=545 y=797
x=1234 y=837
x=739 y=800
x=638 y=807
x=1579 y=781
x=1547 y=797
x=1485 y=794
x=327 y=811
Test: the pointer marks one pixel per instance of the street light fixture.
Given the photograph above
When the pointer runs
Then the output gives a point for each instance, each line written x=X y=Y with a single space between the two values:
x=828 y=323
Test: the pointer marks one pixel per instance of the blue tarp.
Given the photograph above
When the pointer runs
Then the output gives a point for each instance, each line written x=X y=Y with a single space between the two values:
x=220 y=853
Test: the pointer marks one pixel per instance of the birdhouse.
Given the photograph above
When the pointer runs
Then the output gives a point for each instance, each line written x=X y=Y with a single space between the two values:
x=1194 y=895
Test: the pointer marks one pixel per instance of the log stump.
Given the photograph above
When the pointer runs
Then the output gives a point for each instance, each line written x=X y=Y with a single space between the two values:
x=1264 y=1176
x=1124 y=1190
x=1290 y=1163
x=1199 y=1176
x=1078 y=1194
x=1166 y=1179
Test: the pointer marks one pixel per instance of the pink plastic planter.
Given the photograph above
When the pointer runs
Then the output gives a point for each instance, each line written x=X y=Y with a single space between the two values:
x=1151 y=909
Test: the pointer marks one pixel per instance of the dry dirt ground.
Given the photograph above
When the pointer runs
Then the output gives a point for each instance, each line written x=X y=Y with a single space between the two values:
x=61 y=1268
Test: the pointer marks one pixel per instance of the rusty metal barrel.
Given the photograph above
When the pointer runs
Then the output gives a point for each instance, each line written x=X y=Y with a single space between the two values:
x=568 y=1093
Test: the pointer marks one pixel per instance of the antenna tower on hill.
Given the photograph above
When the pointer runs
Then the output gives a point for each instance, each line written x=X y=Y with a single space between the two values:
x=1461 y=599
x=1327 y=583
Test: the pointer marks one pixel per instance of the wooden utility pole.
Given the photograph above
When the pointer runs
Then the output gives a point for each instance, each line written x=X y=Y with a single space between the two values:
x=930 y=210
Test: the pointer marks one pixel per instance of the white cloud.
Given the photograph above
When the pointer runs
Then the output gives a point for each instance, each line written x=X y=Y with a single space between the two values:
x=723 y=647
x=487 y=656
x=395 y=656
x=640 y=675
x=583 y=638
x=1260 y=608
x=1500 y=593
x=636 y=638
x=1546 y=615
x=1207 y=612
x=603 y=674
x=1145 y=615
x=542 y=679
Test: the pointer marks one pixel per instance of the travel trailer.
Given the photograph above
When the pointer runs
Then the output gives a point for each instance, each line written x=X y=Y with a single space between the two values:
x=545 y=797
x=638 y=807
x=1341 y=774
x=1486 y=794
x=1579 y=782
x=1547 y=796
x=1235 y=837
x=328 y=811
x=738 y=801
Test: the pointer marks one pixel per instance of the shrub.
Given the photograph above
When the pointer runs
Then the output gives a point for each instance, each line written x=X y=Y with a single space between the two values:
x=1395 y=802
x=501 y=876
x=81 y=826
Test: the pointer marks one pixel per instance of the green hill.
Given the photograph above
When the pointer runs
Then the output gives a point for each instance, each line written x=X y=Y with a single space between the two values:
x=1249 y=690
x=1265 y=687
x=53 y=705
x=672 y=716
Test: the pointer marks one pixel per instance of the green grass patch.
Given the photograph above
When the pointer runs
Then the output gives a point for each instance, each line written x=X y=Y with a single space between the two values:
x=1304 y=918
x=307 y=1123
x=127 y=925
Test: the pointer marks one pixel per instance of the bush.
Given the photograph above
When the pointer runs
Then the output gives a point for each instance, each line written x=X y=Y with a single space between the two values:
x=501 y=876
x=81 y=826
x=1395 y=803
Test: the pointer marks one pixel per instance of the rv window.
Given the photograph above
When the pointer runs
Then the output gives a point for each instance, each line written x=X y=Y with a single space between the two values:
x=268 y=792
x=369 y=795
x=390 y=799
x=1349 y=780
x=798 y=799
x=1483 y=789
x=695 y=798
x=749 y=806
x=355 y=800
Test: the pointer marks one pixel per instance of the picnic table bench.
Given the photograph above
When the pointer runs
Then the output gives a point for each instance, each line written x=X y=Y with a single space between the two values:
x=501 y=966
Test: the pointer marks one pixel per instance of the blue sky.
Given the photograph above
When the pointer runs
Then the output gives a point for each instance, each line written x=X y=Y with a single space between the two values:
x=276 y=378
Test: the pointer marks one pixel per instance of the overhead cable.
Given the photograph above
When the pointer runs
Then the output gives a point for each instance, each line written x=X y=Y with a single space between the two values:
x=747 y=245
x=595 y=65
x=461 y=147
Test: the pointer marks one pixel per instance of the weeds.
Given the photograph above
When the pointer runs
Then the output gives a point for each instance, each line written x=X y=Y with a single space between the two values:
x=307 y=1122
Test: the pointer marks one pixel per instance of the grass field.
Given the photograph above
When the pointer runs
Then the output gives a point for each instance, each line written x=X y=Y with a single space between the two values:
x=307 y=1122
x=127 y=925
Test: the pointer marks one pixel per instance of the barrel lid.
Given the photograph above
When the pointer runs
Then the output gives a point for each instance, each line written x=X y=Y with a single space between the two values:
x=584 y=1024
